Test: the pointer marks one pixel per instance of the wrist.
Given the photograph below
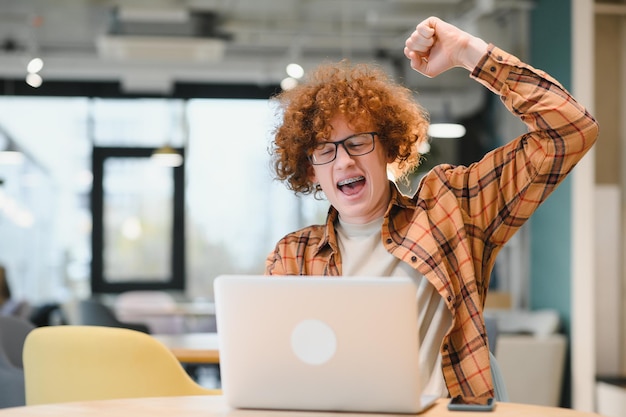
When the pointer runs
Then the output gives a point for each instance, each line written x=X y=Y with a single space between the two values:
x=476 y=48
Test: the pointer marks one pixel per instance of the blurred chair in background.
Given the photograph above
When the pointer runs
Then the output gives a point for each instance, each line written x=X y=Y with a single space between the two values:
x=9 y=306
x=13 y=332
x=92 y=312
x=499 y=385
x=83 y=363
x=491 y=326
x=11 y=384
x=156 y=309
x=47 y=314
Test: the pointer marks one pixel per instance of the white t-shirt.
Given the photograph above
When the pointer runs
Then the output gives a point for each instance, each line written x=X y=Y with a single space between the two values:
x=363 y=254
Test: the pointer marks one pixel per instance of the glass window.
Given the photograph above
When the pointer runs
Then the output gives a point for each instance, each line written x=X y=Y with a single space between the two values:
x=234 y=210
x=137 y=217
x=138 y=220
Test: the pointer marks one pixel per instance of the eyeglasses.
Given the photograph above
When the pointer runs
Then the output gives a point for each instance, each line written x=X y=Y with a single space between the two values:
x=355 y=145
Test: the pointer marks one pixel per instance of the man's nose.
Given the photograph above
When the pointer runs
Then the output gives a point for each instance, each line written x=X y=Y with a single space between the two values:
x=342 y=154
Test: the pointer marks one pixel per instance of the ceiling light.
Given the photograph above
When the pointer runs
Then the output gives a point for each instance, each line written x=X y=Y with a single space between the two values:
x=35 y=65
x=446 y=130
x=11 y=155
x=34 y=80
x=167 y=156
x=295 y=71
x=11 y=158
x=160 y=48
x=288 y=83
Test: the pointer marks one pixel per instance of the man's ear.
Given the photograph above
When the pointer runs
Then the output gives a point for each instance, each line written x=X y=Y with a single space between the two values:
x=391 y=158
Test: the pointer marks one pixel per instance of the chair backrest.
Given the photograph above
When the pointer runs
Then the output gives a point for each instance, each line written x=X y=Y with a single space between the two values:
x=491 y=326
x=11 y=385
x=16 y=308
x=13 y=332
x=94 y=313
x=82 y=363
x=499 y=385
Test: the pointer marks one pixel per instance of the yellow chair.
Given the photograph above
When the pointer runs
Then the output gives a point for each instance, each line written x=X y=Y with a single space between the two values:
x=82 y=363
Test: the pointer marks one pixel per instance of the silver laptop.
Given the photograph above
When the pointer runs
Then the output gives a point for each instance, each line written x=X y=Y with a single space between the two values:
x=319 y=343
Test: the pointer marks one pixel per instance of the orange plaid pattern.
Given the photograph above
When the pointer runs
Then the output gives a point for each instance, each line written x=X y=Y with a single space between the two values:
x=460 y=217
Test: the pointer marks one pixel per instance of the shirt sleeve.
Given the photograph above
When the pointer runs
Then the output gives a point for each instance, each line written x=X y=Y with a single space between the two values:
x=501 y=191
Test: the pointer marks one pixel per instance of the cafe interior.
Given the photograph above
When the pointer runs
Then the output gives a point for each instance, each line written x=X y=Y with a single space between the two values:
x=134 y=169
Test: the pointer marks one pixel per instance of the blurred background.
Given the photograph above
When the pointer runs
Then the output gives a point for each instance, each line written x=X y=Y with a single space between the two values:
x=92 y=91
x=81 y=75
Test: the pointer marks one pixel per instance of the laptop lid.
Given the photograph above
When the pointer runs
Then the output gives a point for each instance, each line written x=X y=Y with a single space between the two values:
x=319 y=343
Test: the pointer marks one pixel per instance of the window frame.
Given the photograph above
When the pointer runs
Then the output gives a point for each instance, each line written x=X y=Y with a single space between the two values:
x=99 y=284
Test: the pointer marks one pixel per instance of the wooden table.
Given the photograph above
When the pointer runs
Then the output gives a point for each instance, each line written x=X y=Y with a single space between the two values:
x=215 y=406
x=201 y=348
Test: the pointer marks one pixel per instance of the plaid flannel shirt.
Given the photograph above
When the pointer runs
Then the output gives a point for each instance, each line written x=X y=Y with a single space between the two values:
x=460 y=217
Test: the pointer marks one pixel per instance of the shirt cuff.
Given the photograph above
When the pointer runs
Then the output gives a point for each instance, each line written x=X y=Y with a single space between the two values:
x=493 y=68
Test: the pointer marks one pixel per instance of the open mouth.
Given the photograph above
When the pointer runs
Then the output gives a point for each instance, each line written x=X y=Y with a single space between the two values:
x=351 y=186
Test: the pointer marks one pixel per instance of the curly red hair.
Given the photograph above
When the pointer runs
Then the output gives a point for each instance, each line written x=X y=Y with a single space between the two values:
x=367 y=98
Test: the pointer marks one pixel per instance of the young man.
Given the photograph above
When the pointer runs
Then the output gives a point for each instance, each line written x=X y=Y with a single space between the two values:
x=345 y=126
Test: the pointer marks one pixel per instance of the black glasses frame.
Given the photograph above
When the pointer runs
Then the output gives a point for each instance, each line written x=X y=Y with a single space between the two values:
x=343 y=143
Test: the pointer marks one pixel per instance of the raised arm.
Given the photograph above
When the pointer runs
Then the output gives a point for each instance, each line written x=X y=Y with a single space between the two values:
x=510 y=182
x=436 y=46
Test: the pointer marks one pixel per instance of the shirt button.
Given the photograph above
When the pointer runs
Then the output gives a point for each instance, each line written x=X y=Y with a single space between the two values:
x=492 y=69
x=413 y=258
x=499 y=58
x=445 y=346
x=389 y=240
x=449 y=298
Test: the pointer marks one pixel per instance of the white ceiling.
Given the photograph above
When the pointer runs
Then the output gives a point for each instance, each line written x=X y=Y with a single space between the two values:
x=248 y=41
